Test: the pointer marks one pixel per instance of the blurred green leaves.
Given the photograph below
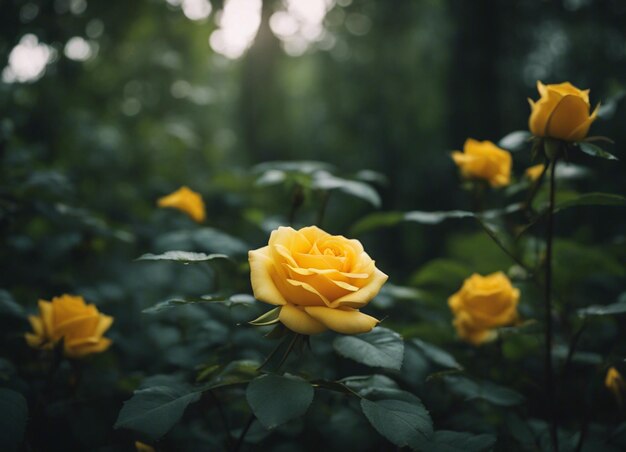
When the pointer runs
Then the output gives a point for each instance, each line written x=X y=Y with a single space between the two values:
x=13 y=418
x=154 y=410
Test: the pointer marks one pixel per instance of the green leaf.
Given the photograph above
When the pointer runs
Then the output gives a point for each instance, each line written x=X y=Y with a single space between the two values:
x=485 y=390
x=268 y=318
x=592 y=199
x=595 y=151
x=171 y=303
x=9 y=307
x=436 y=354
x=154 y=411
x=186 y=257
x=441 y=272
x=609 y=106
x=323 y=180
x=298 y=166
x=387 y=219
x=448 y=441
x=436 y=217
x=236 y=372
x=13 y=417
x=271 y=177
x=610 y=309
x=515 y=141
x=276 y=399
x=560 y=353
x=229 y=301
x=380 y=347
x=400 y=417
x=360 y=383
x=375 y=221
x=216 y=241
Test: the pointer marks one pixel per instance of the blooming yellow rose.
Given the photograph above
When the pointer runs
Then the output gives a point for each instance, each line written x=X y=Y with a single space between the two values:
x=615 y=383
x=562 y=112
x=319 y=280
x=534 y=172
x=67 y=317
x=187 y=201
x=484 y=160
x=482 y=304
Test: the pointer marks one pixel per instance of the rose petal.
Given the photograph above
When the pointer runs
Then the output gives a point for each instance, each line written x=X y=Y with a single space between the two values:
x=342 y=321
x=261 y=272
x=37 y=325
x=104 y=324
x=570 y=113
x=309 y=296
x=296 y=319
x=45 y=309
x=541 y=111
x=88 y=348
x=363 y=296
x=581 y=131
x=77 y=327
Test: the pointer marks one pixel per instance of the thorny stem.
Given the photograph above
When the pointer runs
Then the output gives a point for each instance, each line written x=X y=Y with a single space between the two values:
x=549 y=371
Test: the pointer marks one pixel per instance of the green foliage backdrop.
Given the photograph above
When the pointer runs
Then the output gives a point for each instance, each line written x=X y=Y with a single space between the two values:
x=89 y=145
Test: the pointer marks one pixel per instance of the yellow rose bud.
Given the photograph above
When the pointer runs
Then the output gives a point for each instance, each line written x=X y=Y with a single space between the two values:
x=319 y=280
x=534 y=172
x=562 y=112
x=615 y=383
x=482 y=304
x=484 y=160
x=187 y=201
x=67 y=317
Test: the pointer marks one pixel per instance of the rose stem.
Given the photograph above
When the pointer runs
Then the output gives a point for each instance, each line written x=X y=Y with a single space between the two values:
x=549 y=371
x=322 y=210
x=297 y=198
x=534 y=190
x=243 y=433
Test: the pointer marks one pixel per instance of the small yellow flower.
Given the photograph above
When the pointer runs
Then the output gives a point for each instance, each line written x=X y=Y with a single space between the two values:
x=143 y=447
x=562 y=112
x=484 y=160
x=482 y=304
x=319 y=281
x=615 y=383
x=534 y=172
x=80 y=325
x=185 y=200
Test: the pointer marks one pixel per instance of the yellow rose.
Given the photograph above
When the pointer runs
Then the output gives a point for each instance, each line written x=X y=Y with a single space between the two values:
x=562 y=112
x=319 y=280
x=484 y=160
x=534 y=172
x=67 y=317
x=615 y=383
x=482 y=304
x=187 y=201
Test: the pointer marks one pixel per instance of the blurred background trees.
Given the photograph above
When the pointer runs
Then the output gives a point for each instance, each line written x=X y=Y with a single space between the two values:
x=106 y=106
x=127 y=101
